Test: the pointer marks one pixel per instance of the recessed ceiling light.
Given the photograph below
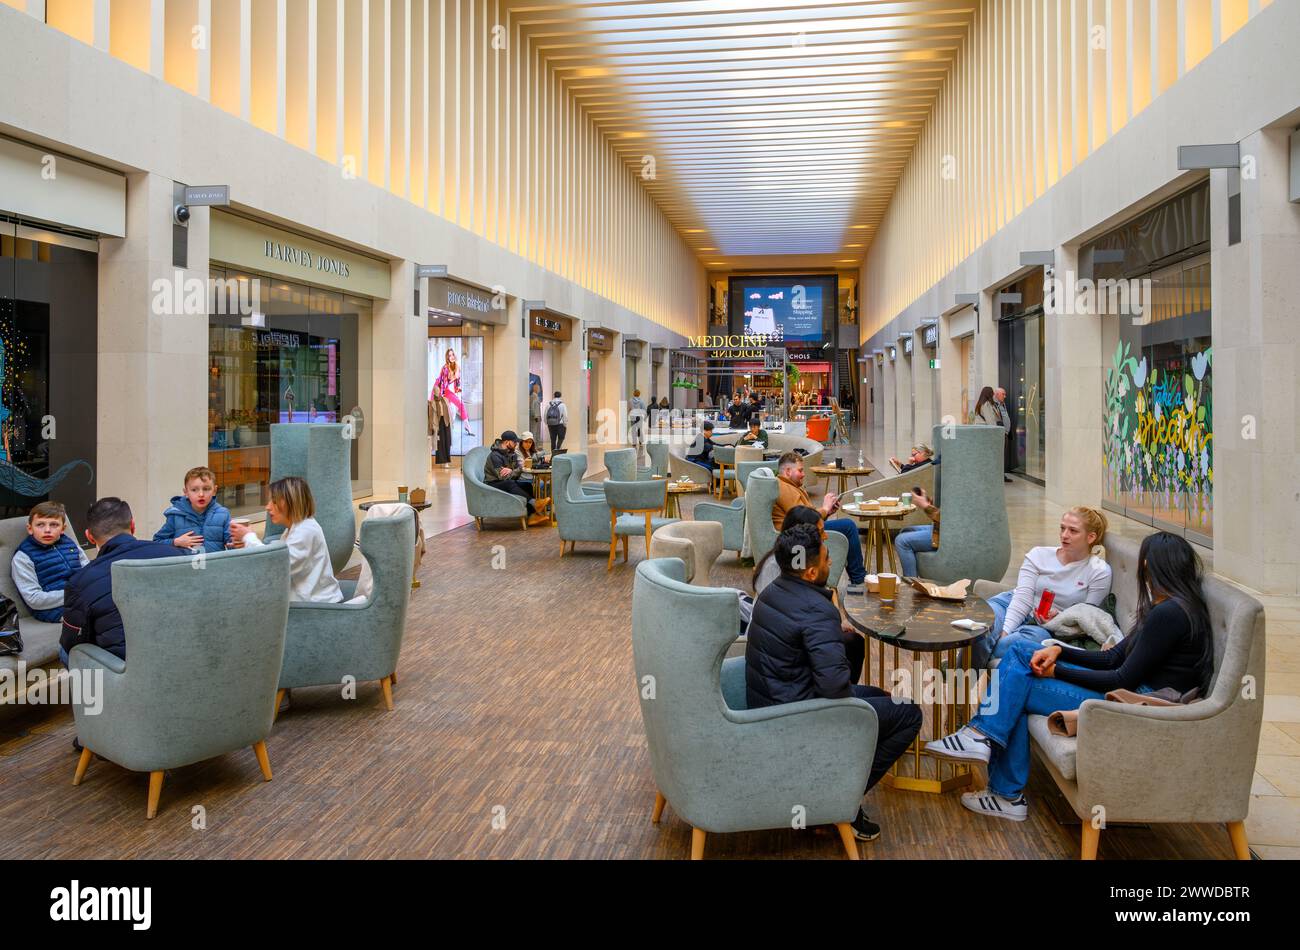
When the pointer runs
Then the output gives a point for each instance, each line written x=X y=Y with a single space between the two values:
x=852 y=245
x=692 y=230
x=708 y=249
x=858 y=227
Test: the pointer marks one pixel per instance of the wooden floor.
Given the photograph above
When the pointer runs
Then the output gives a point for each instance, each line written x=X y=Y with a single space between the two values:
x=516 y=734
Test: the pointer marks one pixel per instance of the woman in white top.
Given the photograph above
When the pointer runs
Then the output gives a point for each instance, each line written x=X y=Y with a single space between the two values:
x=1075 y=573
x=311 y=577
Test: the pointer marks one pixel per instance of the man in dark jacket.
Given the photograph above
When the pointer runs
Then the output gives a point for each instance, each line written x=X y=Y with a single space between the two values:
x=502 y=470
x=738 y=413
x=89 y=614
x=798 y=649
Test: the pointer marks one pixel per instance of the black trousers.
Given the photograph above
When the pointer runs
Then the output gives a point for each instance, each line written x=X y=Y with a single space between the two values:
x=899 y=721
x=557 y=439
x=516 y=487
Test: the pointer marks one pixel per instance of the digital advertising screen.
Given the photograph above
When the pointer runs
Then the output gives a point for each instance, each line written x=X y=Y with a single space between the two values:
x=795 y=309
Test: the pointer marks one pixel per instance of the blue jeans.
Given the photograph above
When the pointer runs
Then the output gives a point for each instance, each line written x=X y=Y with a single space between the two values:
x=909 y=541
x=1015 y=694
x=986 y=649
x=849 y=528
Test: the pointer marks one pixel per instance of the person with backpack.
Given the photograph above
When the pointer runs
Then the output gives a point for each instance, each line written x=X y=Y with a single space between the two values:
x=557 y=423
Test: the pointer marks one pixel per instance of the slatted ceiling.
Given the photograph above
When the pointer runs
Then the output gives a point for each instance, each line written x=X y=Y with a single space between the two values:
x=775 y=126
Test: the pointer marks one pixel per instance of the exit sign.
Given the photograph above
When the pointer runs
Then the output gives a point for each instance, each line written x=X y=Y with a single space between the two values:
x=934 y=364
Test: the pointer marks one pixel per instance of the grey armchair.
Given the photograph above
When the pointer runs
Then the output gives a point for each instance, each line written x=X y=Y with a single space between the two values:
x=658 y=451
x=975 y=538
x=321 y=453
x=621 y=464
x=326 y=642
x=731 y=517
x=922 y=477
x=1136 y=762
x=40 y=639
x=679 y=465
x=725 y=457
x=483 y=501
x=696 y=543
x=760 y=496
x=725 y=768
x=579 y=516
x=640 y=501
x=746 y=469
x=203 y=663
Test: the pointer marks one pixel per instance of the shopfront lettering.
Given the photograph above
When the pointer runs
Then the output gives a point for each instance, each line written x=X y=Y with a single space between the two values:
x=460 y=298
x=277 y=338
x=305 y=258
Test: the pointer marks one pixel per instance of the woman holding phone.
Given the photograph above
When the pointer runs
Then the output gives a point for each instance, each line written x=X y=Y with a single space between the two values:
x=1170 y=646
x=1075 y=572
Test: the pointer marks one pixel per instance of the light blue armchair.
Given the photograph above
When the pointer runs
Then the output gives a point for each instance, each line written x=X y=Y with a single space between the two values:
x=658 y=451
x=483 y=501
x=326 y=642
x=731 y=517
x=641 y=500
x=203 y=663
x=321 y=453
x=725 y=458
x=723 y=767
x=579 y=516
x=748 y=468
x=760 y=495
x=620 y=465
x=975 y=538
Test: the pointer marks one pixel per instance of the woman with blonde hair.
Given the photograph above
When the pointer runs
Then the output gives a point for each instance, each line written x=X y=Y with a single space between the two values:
x=311 y=576
x=1075 y=572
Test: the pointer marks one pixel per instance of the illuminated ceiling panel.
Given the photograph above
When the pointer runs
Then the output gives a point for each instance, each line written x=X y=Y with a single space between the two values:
x=776 y=127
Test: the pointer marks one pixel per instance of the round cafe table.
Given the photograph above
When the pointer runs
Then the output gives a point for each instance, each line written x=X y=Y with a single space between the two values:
x=878 y=539
x=937 y=674
x=672 y=507
x=842 y=475
x=542 y=486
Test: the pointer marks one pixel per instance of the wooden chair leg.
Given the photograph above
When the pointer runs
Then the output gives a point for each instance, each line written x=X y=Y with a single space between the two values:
x=263 y=760
x=561 y=547
x=613 y=540
x=155 y=790
x=647 y=534
x=279 y=701
x=1091 y=837
x=1236 y=831
x=386 y=684
x=83 y=763
x=392 y=678
x=524 y=521
x=850 y=843
x=478 y=523
x=660 y=802
x=697 y=844
x=625 y=542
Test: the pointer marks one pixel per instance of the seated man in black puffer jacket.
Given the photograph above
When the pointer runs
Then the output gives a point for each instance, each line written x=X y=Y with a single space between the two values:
x=798 y=649
x=502 y=470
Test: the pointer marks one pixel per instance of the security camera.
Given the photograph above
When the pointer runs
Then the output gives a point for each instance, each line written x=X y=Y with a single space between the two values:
x=181 y=214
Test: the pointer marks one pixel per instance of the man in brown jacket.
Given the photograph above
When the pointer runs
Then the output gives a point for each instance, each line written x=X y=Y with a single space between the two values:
x=791 y=493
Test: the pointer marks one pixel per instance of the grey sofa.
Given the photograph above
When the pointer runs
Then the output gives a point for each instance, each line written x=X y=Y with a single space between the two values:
x=40 y=639
x=484 y=502
x=975 y=537
x=722 y=767
x=321 y=453
x=203 y=663
x=1188 y=764
x=326 y=642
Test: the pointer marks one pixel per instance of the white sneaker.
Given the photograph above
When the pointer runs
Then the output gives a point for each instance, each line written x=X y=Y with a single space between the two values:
x=965 y=744
x=995 y=806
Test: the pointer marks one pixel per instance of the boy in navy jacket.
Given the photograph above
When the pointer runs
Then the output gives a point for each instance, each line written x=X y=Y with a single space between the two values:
x=195 y=521
x=44 y=561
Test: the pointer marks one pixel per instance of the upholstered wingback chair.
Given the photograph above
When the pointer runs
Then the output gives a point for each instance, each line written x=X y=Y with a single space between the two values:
x=40 y=639
x=639 y=508
x=327 y=642
x=483 y=501
x=1149 y=764
x=974 y=536
x=658 y=451
x=895 y=485
x=760 y=496
x=202 y=663
x=722 y=767
x=696 y=543
x=321 y=453
x=579 y=516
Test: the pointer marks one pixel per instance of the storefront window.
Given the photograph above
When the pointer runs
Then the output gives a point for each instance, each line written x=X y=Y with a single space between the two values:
x=1021 y=352
x=456 y=371
x=303 y=357
x=48 y=367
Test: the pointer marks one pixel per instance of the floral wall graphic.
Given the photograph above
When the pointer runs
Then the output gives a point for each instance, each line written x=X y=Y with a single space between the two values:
x=1158 y=453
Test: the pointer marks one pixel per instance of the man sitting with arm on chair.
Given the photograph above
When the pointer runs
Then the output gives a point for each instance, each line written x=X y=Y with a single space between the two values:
x=790 y=477
x=798 y=650
x=503 y=470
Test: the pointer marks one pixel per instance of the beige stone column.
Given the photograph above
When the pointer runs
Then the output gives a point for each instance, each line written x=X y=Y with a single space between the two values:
x=571 y=377
x=986 y=345
x=505 y=383
x=889 y=399
x=906 y=401
x=922 y=389
x=1075 y=382
x=152 y=385
x=1256 y=345
x=951 y=370
x=398 y=425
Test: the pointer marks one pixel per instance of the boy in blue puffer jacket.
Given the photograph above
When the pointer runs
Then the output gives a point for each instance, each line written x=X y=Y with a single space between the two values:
x=194 y=521
x=45 y=560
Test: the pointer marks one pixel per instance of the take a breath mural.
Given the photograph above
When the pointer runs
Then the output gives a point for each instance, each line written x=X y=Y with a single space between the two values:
x=1159 y=454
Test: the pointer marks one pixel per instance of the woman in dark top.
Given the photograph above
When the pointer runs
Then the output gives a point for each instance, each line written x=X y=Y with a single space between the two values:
x=1170 y=646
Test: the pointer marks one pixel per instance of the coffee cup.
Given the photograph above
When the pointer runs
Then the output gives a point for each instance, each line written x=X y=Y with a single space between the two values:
x=857 y=499
x=905 y=499
x=888 y=588
x=873 y=583
x=839 y=462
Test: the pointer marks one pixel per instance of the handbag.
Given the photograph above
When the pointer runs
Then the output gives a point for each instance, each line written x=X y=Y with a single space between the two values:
x=11 y=639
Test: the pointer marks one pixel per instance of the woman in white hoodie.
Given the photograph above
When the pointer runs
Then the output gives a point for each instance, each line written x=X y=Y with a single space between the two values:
x=311 y=576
